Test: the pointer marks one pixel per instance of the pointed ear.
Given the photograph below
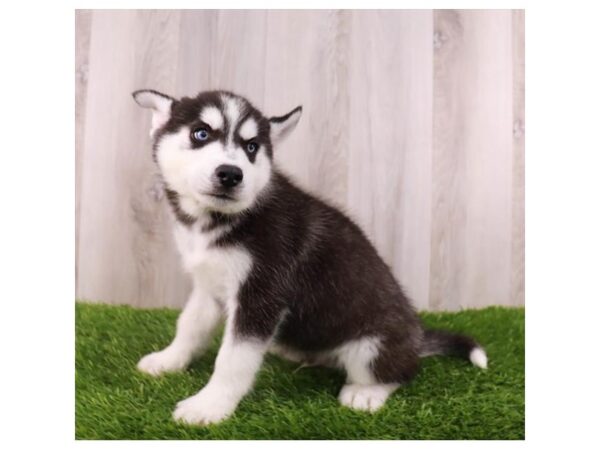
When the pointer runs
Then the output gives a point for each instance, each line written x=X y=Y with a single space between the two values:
x=282 y=126
x=160 y=104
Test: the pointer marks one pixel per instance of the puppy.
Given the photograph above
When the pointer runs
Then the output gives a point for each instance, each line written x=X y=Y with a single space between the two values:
x=289 y=273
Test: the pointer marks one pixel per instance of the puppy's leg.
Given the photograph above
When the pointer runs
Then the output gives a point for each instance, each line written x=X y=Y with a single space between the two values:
x=237 y=363
x=363 y=391
x=195 y=327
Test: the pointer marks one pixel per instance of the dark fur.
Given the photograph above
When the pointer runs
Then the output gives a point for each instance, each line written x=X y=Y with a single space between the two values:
x=316 y=281
x=314 y=265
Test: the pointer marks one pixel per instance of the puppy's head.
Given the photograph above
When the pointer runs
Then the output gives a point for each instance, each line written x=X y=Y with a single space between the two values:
x=214 y=151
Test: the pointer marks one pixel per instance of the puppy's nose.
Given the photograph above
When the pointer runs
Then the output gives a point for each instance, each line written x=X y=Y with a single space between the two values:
x=229 y=176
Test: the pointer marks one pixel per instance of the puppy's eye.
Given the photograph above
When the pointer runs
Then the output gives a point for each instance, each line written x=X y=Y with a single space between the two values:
x=201 y=134
x=251 y=147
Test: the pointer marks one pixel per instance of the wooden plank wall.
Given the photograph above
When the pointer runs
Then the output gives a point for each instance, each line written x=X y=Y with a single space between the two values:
x=413 y=123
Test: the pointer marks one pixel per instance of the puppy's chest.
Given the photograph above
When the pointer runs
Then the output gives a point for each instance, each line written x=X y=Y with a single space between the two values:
x=220 y=270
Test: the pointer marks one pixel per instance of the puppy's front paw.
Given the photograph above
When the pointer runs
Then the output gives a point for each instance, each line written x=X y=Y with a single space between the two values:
x=158 y=363
x=206 y=407
x=364 y=397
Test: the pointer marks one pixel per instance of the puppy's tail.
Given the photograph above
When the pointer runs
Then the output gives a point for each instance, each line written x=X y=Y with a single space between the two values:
x=437 y=342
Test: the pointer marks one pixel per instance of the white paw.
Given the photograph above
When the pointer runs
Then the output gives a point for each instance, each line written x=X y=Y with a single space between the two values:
x=365 y=397
x=166 y=360
x=206 y=407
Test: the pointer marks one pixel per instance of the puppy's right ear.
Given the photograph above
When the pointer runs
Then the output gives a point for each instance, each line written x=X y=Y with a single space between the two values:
x=160 y=104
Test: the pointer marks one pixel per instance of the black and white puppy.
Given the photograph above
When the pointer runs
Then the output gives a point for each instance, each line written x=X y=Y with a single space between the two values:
x=290 y=274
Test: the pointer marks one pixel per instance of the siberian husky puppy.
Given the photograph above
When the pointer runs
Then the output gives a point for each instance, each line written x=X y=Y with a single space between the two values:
x=288 y=272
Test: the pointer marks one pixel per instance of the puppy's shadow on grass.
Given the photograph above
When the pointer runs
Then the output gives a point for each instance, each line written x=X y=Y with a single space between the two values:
x=287 y=378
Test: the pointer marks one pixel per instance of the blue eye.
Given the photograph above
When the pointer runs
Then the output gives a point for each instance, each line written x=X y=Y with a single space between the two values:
x=200 y=134
x=252 y=147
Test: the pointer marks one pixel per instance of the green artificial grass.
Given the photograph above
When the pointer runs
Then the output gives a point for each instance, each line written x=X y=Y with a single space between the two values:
x=449 y=399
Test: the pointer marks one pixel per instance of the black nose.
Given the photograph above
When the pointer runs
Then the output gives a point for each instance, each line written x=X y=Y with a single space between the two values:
x=229 y=176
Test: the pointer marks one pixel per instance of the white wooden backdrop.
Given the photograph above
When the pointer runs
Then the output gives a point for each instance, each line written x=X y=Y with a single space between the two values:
x=413 y=123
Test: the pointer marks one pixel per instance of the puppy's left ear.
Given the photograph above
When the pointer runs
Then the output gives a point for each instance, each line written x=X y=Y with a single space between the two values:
x=159 y=103
x=282 y=126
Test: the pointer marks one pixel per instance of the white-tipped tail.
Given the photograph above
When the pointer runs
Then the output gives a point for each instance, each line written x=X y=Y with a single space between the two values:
x=478 y=357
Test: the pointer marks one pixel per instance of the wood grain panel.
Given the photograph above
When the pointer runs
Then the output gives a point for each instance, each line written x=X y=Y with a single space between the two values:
x=239 y=52
x=413 y=123
x=517 y=262
x=311 y=69
x=197 y=32
x=128 y=256
x=83 y=30
x=389 y=185
x=472 y=159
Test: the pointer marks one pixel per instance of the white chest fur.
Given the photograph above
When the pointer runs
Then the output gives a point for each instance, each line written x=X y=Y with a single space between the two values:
x=216 y=270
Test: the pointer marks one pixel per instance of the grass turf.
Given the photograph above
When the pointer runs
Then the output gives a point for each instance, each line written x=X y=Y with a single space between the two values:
x=449 y=399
